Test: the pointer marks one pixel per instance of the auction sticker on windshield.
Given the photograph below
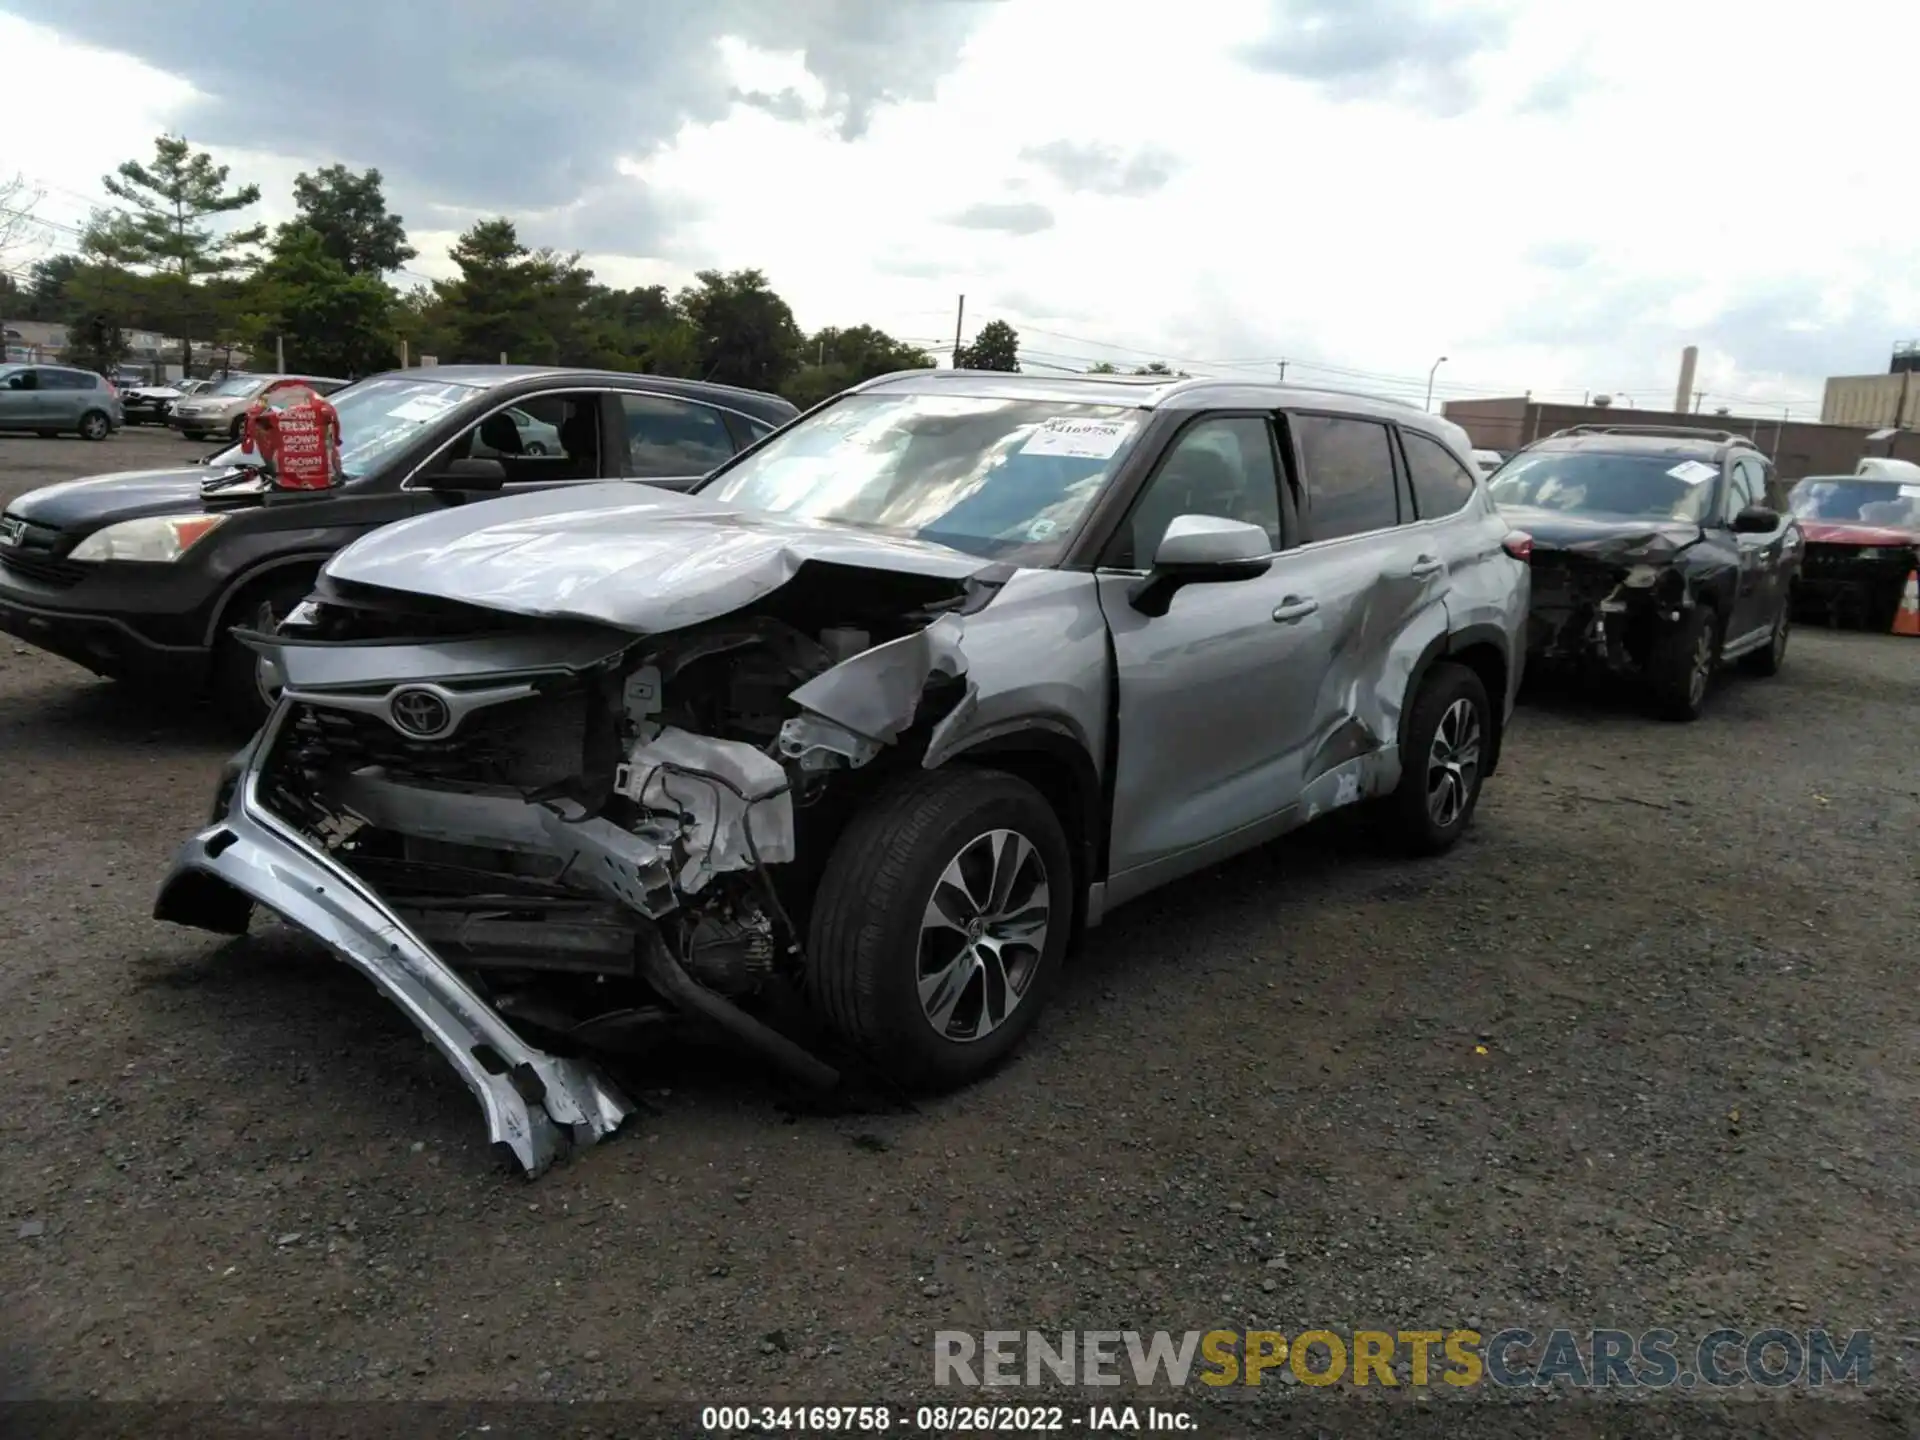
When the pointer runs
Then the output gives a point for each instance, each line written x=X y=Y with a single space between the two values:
x=420 y=407
x=1080 y=439
x=1693 y=472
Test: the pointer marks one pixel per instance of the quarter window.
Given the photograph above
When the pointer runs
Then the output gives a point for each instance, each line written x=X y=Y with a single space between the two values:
x=1222 y=467
x=1349 y=475
x=668 y=437
x=1441 y=484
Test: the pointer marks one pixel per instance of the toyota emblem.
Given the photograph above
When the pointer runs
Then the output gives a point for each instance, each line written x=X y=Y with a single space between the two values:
x=420 y=712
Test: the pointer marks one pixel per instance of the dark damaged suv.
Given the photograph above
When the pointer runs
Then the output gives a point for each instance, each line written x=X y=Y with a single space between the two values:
x=1655 y=556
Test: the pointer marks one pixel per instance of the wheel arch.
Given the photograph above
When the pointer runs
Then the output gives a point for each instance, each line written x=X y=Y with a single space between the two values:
x=1483 y=650
x=1049 y=757
x=253 y=578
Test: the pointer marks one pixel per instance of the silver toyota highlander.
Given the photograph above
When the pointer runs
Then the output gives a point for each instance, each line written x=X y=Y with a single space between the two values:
x=836 y=753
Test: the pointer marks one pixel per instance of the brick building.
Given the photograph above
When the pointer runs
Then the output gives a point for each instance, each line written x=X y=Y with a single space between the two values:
x=1797 y=447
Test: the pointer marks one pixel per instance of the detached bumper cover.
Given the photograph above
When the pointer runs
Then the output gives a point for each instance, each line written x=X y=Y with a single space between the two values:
x=536 y=1104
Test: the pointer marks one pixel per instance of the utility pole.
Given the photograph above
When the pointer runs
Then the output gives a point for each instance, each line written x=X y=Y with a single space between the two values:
x=1698 y=396
x=959 y=317
x=1283 y=372
x=1779 y=427
x=403 y=354
x=279 y=355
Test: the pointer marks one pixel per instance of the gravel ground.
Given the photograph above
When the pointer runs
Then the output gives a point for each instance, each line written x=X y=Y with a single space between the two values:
x=1261 y=1099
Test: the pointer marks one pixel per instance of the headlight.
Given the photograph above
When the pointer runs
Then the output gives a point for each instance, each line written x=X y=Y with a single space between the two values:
x=156 y=538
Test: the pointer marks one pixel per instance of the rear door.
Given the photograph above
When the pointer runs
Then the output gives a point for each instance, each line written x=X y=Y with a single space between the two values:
x=672 y=441
x=1381 y=581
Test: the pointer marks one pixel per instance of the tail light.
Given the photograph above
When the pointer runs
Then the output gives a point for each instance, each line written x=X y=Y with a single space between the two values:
x=1518 y=544
x=113 y=390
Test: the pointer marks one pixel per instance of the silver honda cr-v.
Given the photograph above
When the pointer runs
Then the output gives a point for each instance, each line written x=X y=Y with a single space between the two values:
x=838 y=751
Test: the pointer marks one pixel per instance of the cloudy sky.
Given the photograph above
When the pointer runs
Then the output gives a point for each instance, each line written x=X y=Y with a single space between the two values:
x=1557 y=197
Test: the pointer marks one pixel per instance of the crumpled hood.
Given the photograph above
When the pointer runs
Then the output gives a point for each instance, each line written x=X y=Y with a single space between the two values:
x=83 y=506
x=1828 y=532
x=622 y=554
x=1624 y=540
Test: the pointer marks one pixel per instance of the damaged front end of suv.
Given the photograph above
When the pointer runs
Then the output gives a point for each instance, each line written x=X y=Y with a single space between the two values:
x=1607 y=600
x=545 y=836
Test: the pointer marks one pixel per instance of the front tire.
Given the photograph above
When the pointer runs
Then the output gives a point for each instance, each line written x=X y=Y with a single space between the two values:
x=1449 y=737
x=940 y=923
x=238 y=687
x=1682 y=665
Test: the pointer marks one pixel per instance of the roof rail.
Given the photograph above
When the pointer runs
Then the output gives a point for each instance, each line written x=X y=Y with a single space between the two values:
x=1674 y=432
x=1338 y=390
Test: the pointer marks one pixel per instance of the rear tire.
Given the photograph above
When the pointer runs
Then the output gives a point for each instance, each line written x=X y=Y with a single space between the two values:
x=939 y=1002
x=95 y=425
x=1768 y=661
x=1449 y=737
x=237 y=686
x=1681 y=668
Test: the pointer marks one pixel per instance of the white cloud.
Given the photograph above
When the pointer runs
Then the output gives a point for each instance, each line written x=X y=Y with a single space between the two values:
x=1557 y=202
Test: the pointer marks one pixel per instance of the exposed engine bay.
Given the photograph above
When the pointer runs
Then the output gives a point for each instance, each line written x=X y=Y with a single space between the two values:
x=599 y=833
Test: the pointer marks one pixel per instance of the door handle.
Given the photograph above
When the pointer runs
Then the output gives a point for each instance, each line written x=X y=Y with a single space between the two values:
x=1426 y=565
x=1295 y=607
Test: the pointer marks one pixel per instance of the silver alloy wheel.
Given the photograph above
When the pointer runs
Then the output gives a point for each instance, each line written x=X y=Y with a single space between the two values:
x=93 y=426
x=1453 y=763
x=1702 y=667
x=982 y=935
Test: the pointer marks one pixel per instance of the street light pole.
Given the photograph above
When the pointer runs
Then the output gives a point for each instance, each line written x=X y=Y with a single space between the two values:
x=1430 y=374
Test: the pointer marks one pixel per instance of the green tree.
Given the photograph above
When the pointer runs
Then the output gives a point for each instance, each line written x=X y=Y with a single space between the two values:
x=329 y=320
x=530 y=305
x=747 y=335
x=836 y=359
x=1158 y=367
x=95 y=341
x=165 y=227
x=489 y=310
x=349 y=213
x=996 y=347
x=1102 y=367
x=46 y=297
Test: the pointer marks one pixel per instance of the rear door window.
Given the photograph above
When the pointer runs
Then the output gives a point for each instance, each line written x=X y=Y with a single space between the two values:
x=1349 y=475
x=668 y=437
x=1441 y=484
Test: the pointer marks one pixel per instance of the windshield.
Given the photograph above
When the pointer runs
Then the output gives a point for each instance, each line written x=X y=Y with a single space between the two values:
x=1640 y=487
x=1847 y=500
x=238 y=385
x=378 y=417
x=1005 y=479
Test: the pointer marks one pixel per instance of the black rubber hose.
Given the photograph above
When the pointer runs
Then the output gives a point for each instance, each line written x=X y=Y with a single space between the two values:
x=674 y=985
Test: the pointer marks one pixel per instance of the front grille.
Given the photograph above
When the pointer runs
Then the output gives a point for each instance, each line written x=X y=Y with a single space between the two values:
x=39 y=565
x=34 y=554
x=525 y=744
x=1565 y=579
x=1849 y=562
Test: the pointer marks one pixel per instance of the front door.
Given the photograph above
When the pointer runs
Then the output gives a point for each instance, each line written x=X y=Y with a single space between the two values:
x=1758 y=597
x=21 y=402
x=1213 y=715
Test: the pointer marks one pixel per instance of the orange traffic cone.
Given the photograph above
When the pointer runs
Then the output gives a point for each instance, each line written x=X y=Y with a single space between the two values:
x=1906 y=620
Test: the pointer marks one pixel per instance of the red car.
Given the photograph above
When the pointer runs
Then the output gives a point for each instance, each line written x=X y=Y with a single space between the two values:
x=1863 y=540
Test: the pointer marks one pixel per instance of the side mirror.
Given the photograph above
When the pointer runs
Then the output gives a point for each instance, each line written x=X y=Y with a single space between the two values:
x=1201 y=550
x=1756 y=520
x=469 y=475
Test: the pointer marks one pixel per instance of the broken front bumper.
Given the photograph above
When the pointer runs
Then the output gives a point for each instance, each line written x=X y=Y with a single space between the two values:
x=536 y=1104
